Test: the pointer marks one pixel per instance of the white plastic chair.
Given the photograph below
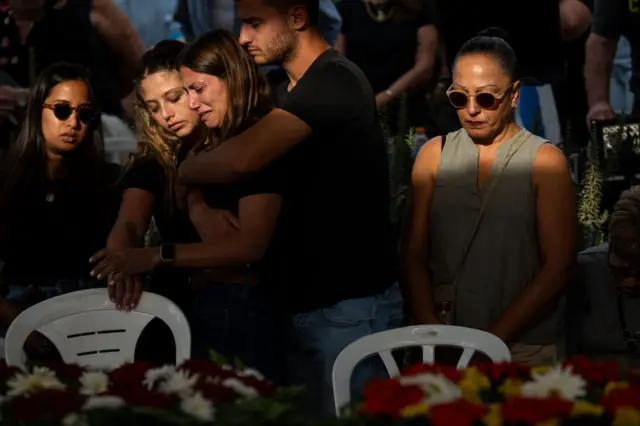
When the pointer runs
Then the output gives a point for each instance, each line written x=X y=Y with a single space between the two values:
x=426 y=336
x=87 y=329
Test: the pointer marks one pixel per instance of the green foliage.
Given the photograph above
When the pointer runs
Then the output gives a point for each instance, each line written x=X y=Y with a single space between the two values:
x=590 y=217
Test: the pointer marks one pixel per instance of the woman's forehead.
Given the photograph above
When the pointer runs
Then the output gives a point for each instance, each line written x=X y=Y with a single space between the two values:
x=479 y=70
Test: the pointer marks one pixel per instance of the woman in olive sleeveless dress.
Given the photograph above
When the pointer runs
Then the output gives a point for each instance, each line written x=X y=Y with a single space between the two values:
x=491 y=239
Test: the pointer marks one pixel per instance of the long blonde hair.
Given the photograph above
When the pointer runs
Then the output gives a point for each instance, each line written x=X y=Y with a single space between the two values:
x=153 y=140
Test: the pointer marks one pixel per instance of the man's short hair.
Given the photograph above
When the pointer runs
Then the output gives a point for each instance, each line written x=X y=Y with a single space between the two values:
x=312 y=6
x=624 y=227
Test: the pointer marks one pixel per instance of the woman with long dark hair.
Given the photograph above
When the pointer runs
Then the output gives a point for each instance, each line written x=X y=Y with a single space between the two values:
x=228 y=312
x=58 y=200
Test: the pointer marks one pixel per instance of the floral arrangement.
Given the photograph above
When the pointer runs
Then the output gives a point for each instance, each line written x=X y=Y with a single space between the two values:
x=576 y=393
x=195 y=392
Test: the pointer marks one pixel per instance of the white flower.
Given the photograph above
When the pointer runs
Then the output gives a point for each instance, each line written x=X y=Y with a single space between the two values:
x=199 y=407
x=74 y=419
x=108 y=402
x=558 y=381
x=94 y=383
x=155 y=375
x=250 y=372
x=39 y=379
x=240 y=388
x=179 y=383
x=437 y=388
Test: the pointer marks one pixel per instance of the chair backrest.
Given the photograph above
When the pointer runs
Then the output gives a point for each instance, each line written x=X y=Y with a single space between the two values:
x=87 y=329
x=425 y=336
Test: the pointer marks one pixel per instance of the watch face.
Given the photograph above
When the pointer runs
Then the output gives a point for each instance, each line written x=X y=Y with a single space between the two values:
x=167 y=252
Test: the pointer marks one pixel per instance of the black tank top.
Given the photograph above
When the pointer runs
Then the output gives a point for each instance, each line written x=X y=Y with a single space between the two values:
x=67 y=34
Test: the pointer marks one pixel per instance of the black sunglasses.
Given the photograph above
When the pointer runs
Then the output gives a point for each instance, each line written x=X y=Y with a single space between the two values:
x=85 y=113
x=460 y=99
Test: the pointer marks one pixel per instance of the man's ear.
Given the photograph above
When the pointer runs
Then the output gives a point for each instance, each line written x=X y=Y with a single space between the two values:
x=298 y=18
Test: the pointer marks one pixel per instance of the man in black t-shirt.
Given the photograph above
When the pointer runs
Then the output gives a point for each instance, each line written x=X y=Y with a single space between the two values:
x=333 y=249
x=611 y=19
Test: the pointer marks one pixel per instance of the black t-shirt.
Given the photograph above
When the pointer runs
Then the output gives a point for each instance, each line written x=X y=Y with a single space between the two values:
x=46 y=239
x=147 y=174
x=615 y=18
x=334 y=239
x=534 y=34
x=384 y=51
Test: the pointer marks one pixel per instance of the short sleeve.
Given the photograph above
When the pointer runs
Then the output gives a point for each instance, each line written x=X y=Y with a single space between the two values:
x=607 y=18
x=271 y=179
x=330 y=96
x=147 y=174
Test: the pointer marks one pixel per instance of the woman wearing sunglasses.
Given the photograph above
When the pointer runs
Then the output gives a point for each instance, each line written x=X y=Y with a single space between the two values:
x=58 y=200
x=492 y=226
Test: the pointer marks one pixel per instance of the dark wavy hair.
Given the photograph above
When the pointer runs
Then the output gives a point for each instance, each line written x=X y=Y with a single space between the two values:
x=24 y=167
x=219 y=54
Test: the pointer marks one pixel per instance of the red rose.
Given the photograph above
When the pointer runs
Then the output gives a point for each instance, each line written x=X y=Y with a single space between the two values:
x=201 y=367
x=132 y=373
x=457 y=413
x=216 y=392
x=622 y=397
x=504 y=370
x=598 y=372
x=66 y=372
x=534 y=410
x=388 y=396
x=48 y=402
x=450 y=373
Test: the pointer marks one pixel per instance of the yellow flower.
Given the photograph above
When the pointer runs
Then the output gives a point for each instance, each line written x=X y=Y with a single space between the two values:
x=611 y=386
x=493 y=416
x=584 y=408
x=540 y=369
x=627 y=417
x=552 y=422
x=471 y=383
x=415 y=410
x=510 y=387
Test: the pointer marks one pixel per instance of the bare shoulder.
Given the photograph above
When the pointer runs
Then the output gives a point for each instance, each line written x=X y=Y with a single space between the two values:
x=551 y=166
x=550 y=156
x=428 y=157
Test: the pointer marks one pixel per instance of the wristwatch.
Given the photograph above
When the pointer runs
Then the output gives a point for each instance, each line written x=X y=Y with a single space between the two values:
x=167 y=253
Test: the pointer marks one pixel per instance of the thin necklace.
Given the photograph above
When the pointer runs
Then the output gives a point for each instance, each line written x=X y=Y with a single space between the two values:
x=379 y=15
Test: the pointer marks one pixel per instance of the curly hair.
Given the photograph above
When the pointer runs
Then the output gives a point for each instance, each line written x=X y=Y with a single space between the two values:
x=624 y=227
x=153 y=140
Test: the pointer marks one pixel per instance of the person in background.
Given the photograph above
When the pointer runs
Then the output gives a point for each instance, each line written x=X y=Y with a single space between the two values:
x=201 y=16
x=58 y=199
x=153 y=20
x=395 y=44
x=611 y=19
x=331 y=262
x=229 y=310
x=603 y=302
x=93 y=33
x=491 y=232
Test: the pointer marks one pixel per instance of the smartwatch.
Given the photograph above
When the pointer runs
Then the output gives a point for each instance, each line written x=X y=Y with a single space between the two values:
x=167 y=253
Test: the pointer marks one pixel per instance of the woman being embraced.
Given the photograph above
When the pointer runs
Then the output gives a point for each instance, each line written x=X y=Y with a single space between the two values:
x=228 y=311
x=58 y=198
x=491 y=233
